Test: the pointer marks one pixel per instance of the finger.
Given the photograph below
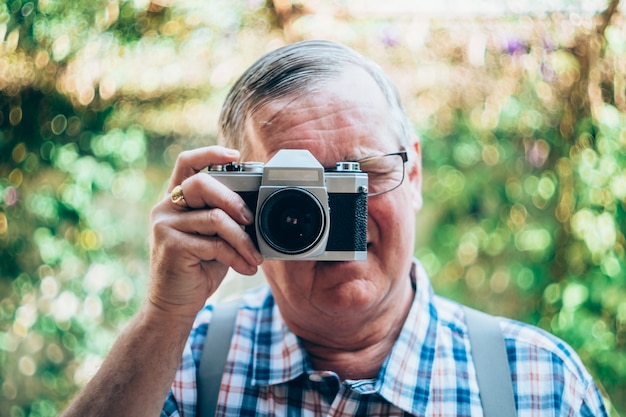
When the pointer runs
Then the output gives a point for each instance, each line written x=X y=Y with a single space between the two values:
x=206 y=252
x=229 y=257
x=216 y=223
x=193 y=161
x=202 y=190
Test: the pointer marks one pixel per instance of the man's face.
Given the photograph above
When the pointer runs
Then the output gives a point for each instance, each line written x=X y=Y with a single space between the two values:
x=345 y=119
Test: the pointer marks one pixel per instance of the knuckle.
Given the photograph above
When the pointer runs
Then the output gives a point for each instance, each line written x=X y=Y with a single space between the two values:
x=160 y=231
x=221 y=250
x=234 y=200
x=216 y=216
x=161 y=226
x=183 y=157
x=195 y=180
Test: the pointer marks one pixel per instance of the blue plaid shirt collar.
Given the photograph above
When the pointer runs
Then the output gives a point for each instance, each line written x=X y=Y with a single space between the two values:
x=279 y=356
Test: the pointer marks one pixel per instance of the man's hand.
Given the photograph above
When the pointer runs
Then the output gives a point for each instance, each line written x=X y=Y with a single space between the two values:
x=193 y=245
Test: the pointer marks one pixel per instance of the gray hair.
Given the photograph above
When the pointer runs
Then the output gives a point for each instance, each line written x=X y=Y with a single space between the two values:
x=296 y=69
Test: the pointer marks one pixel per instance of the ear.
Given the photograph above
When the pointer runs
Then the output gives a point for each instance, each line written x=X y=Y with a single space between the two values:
x=414 y=172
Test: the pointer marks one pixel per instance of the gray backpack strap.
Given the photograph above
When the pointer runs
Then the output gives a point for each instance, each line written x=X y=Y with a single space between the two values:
x=492 y=364
x=214 y=354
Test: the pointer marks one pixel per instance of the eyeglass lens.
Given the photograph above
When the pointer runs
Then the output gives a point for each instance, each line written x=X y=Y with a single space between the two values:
x=384 y=173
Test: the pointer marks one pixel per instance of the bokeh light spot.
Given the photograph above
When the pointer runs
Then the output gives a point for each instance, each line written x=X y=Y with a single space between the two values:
x=27 y=366
x=58 y=124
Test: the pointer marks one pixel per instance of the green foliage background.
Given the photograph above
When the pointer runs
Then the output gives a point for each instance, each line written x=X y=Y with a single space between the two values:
x=523 y=126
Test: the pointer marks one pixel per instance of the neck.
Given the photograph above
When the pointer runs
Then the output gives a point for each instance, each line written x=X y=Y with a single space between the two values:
x=349 y=364
x=357 y=348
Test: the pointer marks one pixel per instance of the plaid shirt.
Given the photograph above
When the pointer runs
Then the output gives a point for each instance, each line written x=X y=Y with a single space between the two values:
x=429 y=371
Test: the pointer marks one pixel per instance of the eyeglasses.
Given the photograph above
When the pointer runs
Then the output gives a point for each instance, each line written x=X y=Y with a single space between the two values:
x=384 y=172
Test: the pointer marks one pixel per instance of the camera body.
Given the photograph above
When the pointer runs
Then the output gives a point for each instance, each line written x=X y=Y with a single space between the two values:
x=301 y=210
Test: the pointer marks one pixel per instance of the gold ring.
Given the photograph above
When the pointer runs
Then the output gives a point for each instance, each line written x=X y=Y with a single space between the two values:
x=177 y=197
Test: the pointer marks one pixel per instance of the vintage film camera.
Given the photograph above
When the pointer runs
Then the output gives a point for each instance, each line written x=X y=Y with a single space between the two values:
x=302 y=211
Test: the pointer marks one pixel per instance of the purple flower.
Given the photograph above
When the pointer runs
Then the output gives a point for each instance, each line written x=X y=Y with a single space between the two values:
x=514 y=45
x=390 y=37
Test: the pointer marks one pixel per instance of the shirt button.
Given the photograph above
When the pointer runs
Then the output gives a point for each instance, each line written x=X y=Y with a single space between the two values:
x=315 y=377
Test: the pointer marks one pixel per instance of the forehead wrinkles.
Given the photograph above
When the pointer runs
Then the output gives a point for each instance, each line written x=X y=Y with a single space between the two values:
x=331 y=136
x=323 y=108
x=312 y=126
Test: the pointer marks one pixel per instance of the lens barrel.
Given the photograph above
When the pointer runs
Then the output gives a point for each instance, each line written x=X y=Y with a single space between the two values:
x=291 y=220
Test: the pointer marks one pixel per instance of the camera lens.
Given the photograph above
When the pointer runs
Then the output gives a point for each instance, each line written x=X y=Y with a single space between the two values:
x=291 y=220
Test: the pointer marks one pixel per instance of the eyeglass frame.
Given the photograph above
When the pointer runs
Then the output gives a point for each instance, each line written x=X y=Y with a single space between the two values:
x=405 y=158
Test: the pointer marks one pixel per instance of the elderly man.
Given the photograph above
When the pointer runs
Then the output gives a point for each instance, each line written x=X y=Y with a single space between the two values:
x=348 y=337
